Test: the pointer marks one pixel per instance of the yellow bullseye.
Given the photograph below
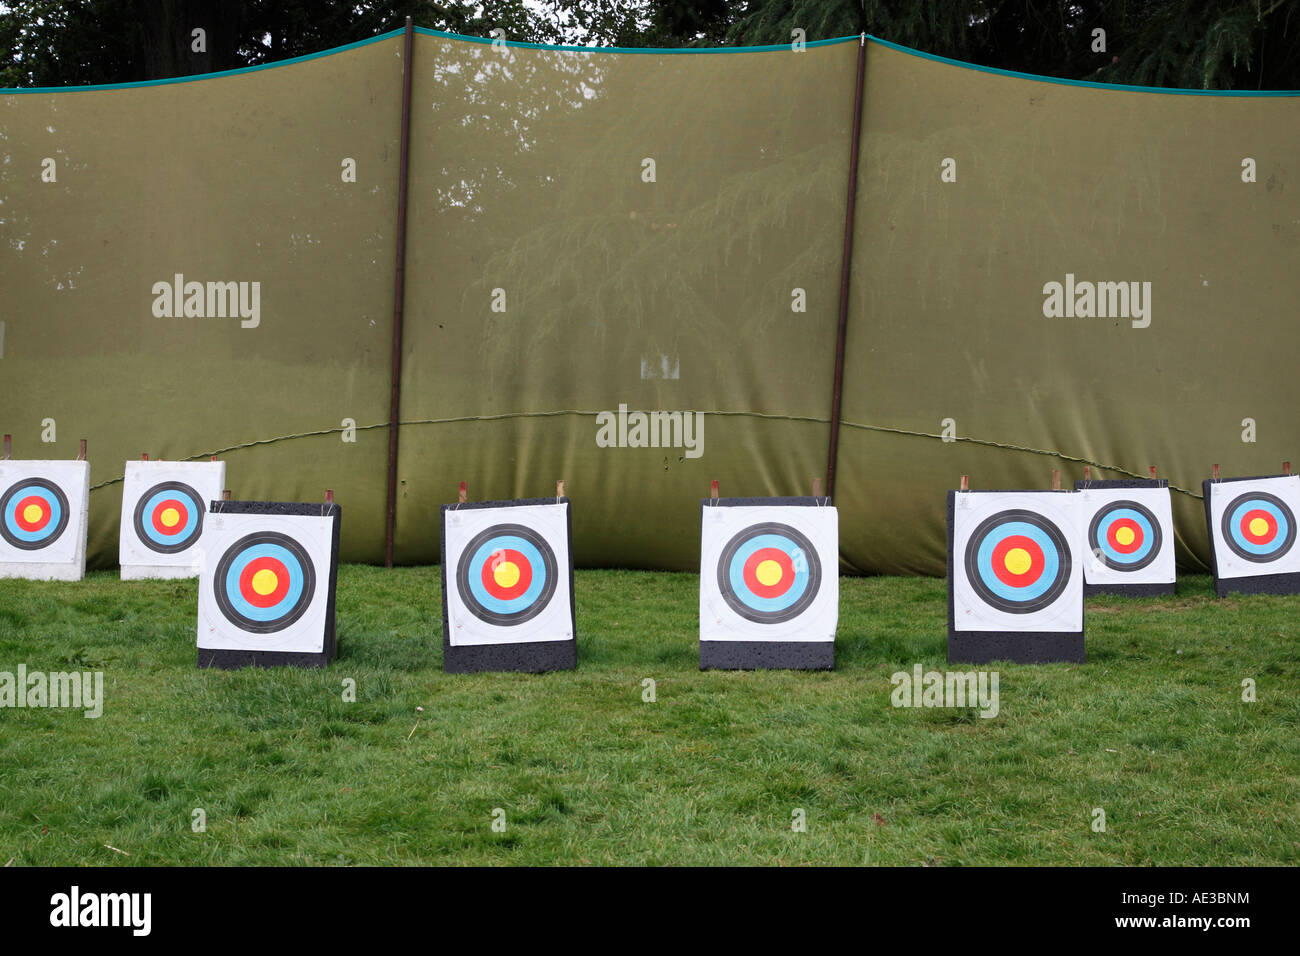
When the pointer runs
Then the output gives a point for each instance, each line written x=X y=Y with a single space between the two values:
x=265 y=582
x=1018 y=561
x=768 y=572
x=32 y=514
x=170 y=517
x=506 y=574
x=1258 y=527
x=1125 y=536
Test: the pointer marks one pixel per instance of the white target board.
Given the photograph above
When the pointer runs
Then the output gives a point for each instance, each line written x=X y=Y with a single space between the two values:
x=508 y=572
x=1016 y=563
x=769 y=573
x=43 y=510
x=1253 y=526
x=1127 y=535
x=264 y=582
x=164 y=512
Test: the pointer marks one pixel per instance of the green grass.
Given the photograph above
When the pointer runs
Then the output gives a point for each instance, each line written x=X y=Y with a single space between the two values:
x=1152 y=729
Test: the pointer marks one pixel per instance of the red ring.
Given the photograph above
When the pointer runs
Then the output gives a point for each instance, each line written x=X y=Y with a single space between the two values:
x=1037 y=561
x=1124 y=523
x=495 y=560
x=46 y=513
x=276 y=567
x=156 y=517
x=783 y=583
x=1250 y=516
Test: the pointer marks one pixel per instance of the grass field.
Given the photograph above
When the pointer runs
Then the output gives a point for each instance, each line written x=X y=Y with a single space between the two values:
x=1152 y=730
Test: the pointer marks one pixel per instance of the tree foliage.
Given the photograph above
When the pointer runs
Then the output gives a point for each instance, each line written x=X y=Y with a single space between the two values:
x=1205 y=44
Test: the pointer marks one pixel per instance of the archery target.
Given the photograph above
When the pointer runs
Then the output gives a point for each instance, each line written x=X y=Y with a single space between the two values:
x=510 y=570
x=1014 y=562
x=1253 y=526
x=769 y=573
x=43 y=507
x=164 y=508
x=264 y=582
x=1128 y=535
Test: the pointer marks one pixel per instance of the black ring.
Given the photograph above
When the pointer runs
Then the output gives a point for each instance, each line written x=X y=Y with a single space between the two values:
x=769 y=617
x=995 y=600
x=139 y=517
x=51 y=536
x=549 y=568
x=294 y=613
x=1157 y=537
x=1230 y=539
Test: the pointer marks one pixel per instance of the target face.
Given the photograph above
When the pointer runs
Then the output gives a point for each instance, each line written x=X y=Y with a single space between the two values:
x=511 y=574
x=1018 y=561
x=264 y=582
x=33 y=514
x=169 y=517
x=1015 y=566
x=1128 y=538
x=1258 y=526
x=506 y=575
x=769 y=572
x=1253 y=526
x=43 y=519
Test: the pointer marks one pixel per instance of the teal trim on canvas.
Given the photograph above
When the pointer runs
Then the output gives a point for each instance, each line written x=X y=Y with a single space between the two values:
x=631 y=49
x=10 y=91
x=1090 y=84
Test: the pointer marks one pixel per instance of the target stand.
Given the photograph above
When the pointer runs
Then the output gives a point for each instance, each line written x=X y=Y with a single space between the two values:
x=43 y=511
x=267 y=577
x=1252 y=529
x=1128 y=537
x=769 y=583
x=507 y=586
x=1015 y=581
x=164 y=506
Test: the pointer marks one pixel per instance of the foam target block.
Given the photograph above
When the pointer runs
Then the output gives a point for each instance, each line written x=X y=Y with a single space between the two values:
x=43 y=510
x=164 y=507
x=267 y=577
x=1015 y=580
x=769 y=583
x=507 y=586
x=1128 y=537
x=1252 y=526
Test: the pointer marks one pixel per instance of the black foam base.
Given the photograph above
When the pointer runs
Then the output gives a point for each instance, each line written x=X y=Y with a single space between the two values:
x=1256 y=584
x=533 y=657
x=1130 y=590
x=767 y=655
x=232 y=659
x=1021 y=647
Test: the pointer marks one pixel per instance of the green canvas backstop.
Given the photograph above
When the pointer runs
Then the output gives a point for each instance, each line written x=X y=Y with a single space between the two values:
x=594 y=231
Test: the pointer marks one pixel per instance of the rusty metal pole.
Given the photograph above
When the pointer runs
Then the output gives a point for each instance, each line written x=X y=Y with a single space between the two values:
x=846 y=270
x=399 y=294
